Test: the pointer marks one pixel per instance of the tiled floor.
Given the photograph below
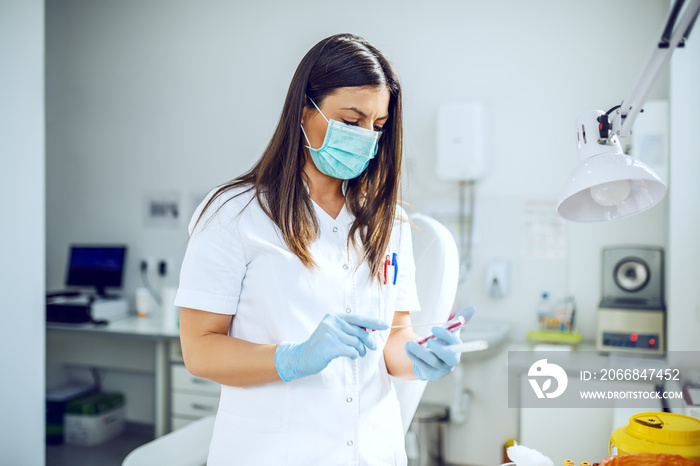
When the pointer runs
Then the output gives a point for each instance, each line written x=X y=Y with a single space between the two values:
x=110 y=453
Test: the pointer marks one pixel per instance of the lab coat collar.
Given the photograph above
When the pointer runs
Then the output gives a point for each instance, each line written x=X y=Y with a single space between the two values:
x=344 y=186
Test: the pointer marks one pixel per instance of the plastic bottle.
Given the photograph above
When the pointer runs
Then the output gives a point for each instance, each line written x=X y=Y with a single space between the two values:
x=170 y=311
x=544 y=310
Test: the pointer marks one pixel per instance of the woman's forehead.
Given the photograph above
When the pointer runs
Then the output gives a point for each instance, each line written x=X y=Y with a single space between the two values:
x=363 y=98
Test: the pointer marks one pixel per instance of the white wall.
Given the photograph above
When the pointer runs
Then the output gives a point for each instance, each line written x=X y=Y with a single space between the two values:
x=22 y=233
x=684 y=221
x=180 y=96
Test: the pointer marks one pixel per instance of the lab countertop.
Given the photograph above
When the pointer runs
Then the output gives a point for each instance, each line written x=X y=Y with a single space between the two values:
x=584 y=357
x=103 y=346
x=132 y=326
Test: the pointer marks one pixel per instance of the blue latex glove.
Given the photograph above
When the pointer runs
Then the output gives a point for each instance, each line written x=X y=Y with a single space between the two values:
x=434 y=361
x=337 y=335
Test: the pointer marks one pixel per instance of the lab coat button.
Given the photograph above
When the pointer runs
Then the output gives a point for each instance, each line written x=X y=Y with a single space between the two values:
x=335 y=229
x=348 y=310
x=349 y=443
x=349 y=399
x=345 y=266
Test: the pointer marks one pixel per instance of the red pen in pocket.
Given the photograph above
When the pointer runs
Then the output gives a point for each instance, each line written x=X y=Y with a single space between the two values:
x=387 y=263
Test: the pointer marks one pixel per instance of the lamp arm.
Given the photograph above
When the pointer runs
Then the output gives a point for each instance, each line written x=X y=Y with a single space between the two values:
x=673 y=34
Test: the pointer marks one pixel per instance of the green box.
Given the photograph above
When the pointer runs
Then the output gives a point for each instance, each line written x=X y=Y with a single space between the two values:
x=94 y=419
x=95 y=404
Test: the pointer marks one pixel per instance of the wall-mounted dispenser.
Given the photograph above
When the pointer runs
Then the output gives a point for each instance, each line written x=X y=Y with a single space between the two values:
x=497 y=281
x=460 y=148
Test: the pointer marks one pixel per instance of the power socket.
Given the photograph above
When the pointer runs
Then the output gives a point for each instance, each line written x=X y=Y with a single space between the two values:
x=160 y=268
x=147 y=265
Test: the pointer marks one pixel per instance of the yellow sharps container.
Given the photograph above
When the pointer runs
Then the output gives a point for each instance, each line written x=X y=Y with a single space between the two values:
x=659 y=433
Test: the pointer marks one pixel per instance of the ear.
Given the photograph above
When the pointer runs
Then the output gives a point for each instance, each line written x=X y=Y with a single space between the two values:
x=304 y=111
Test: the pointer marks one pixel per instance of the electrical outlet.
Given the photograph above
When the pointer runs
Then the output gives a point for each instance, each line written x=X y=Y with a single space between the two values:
x=163 y=267
x=147 y=265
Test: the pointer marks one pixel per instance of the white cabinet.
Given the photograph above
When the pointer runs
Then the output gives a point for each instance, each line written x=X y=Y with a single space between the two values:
x=191 y=397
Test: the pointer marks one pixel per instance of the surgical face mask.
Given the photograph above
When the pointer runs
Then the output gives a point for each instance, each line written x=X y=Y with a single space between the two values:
x=346 y=150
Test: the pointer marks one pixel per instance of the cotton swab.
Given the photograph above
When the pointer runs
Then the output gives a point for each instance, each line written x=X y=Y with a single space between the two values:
x=419 y=325
x=433 y=324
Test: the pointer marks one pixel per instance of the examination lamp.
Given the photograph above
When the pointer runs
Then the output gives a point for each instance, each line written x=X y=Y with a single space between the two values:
x=608 y=184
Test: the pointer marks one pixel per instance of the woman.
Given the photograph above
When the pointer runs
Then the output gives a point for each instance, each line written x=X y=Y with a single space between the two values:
x=285 y=294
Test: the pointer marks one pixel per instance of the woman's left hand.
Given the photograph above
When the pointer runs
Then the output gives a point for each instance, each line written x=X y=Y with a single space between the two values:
x=435 y=360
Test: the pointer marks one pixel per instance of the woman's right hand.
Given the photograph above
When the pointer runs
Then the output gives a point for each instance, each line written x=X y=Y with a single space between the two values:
x=337 y=335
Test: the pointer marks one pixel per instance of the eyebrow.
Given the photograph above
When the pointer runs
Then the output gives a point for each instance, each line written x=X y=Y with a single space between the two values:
x=361 y=113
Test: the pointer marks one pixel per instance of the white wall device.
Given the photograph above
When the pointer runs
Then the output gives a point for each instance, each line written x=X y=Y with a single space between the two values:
x=460 y=148
x=632 y=311
x=497 y=278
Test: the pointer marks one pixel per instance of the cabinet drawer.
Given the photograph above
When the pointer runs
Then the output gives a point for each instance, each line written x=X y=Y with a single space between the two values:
x=183 y=380
x=191 y=404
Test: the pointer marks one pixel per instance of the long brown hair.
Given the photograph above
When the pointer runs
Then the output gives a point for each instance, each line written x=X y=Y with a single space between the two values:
x=342 y=60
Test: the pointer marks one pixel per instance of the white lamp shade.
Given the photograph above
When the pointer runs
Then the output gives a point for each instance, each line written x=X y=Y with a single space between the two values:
x=577 y=202
x=607 y=183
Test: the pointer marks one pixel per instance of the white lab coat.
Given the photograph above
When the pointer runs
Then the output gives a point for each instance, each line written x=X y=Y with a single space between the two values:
x=348 y=414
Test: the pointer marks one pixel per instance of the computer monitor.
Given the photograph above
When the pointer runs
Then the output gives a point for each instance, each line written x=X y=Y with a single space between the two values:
x=96 y=266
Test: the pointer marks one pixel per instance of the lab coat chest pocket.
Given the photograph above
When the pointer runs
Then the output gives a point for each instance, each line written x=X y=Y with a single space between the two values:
x=390 y=293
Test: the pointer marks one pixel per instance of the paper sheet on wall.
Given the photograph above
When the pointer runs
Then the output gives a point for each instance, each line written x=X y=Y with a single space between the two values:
x=162 y=209
x=544 y=232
